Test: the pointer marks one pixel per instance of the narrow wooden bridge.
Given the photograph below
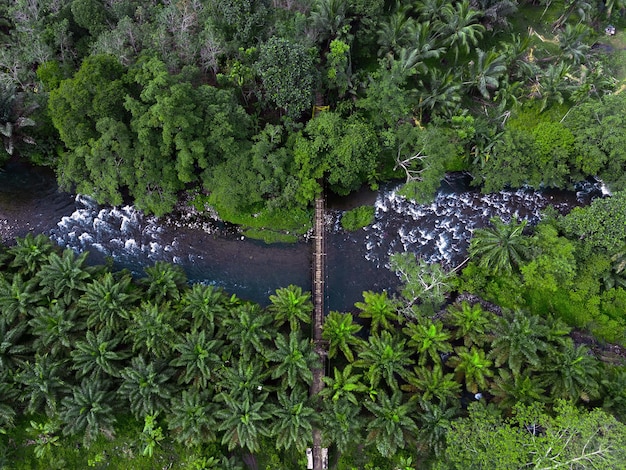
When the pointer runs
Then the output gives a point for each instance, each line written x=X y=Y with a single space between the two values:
x=319 y=279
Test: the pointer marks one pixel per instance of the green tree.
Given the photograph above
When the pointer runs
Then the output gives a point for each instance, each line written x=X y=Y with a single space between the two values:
x=288 y=74
x=344 y=385
x=164 y=281
x=472 y=367
x=380 y=309
x=249 y=330
x=147 y=387
x=30 y=253
x=204 y=305
x=392 y=426
x=99 y=356
x=18 y=298
x=384 y=357
x=471 y=322
x=295 y=358
x=429 y=339
x=55 y=329
x=13 y=348
x=340 y=332
x=42 y=384
x=342 y=424
x=191 y=418
x=524 y=389
x=292 y=305
x=485 y=72
x=428 y=383
x=500 y=248
x=88 y=411
x=198 y=357
x=243 y=380
x=64 y=277
x=244 y=422
x=460 y=27
x=293 y=416
x=152 y=329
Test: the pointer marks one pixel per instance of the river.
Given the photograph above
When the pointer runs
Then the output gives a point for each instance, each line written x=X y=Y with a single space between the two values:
x=213 y=252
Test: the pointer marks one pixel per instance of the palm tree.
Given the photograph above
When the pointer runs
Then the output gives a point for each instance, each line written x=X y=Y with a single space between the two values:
x=295 y=358
x=379 y=308
x=55 y=329
x=164 y=281
x=394 y=33
x=472 y=366
x=7 y=406
x=199 y=356
x=202 y=304
x=342 y=424
x=42 y=383
x=435 y=420
x=429 y=339
x=152 y=329
x=64 y=277
x=430 y=383
x=553 y=84
x=431 y=10
x=329 y=18
x=98 y=356
x=509 y=390
x=470 y=322
x=440 y=92
x=30 y=253
x=393 y=426
x=519 y=338
x=18 y=298
x=340 y=331
x=460 y=27
x=13 y=118
x=501 y=247
x=146 y=386
x=244 y=380
x=13 y=350
x=485 y=72
x=344 y=385
x=191 y=418
x=292 y=305
x=88 y=411
x=573 y=42
x=572 y=373
x=108 y=301
x=244 y=422
x=293 y=416
x=249 y=328
x=384 y=357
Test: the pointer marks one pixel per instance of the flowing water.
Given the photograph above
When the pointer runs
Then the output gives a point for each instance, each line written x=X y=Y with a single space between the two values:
x=213 y=252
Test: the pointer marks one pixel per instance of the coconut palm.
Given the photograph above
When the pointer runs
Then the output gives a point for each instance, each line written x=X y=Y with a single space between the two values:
x=554 y=84
x=199 y=358
x=339 y=330
x=244 y=380
x=574 y=42
x=202 y=304
x=394 y=33
x=152 y=329
x=342 y=424
x=146 y=386
x=572 y=373
x=42 y=383
x=7 y=405
x=470 y=322
x=384 y=357
x=292 y=305
x=393 y=425
x=519 y=340
x=55 y=329
x=380 y=309
x=429 y=340
x=431 y=10
x=88 y=411
x=328 y=18
x=191 y=418
x=250 y=329
x=509 y=389
x=440 y=92
x=164 y=281
x=17 y=298
x=107 y=301
x=294 y=358
x=501 y=247
x=428 y=384
x=292 y=420
x=344 y=385
x=30 y=253
x=435 y=420
x=64 y=277
x=244 y=422
x=486 y=70
x=98 y=356
x=460 y=27
x=473 y=367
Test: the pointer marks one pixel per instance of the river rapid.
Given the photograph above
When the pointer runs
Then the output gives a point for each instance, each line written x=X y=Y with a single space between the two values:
x=213 y=252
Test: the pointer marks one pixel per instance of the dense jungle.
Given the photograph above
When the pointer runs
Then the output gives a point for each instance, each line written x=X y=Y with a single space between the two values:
x=250 y=110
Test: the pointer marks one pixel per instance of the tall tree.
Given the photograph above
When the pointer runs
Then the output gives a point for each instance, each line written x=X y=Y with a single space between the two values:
x=384 y=357
x=379 y=308
x=293 y=416
x=340 y=332
x=292 y=305
x=500 y=247
x=295 y=359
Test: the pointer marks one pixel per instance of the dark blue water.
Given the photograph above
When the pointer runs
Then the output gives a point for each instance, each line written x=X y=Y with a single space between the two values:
x=213 y=252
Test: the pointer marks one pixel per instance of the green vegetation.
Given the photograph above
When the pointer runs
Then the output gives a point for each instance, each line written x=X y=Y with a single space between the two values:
x=357 y=218
x=98 y=369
